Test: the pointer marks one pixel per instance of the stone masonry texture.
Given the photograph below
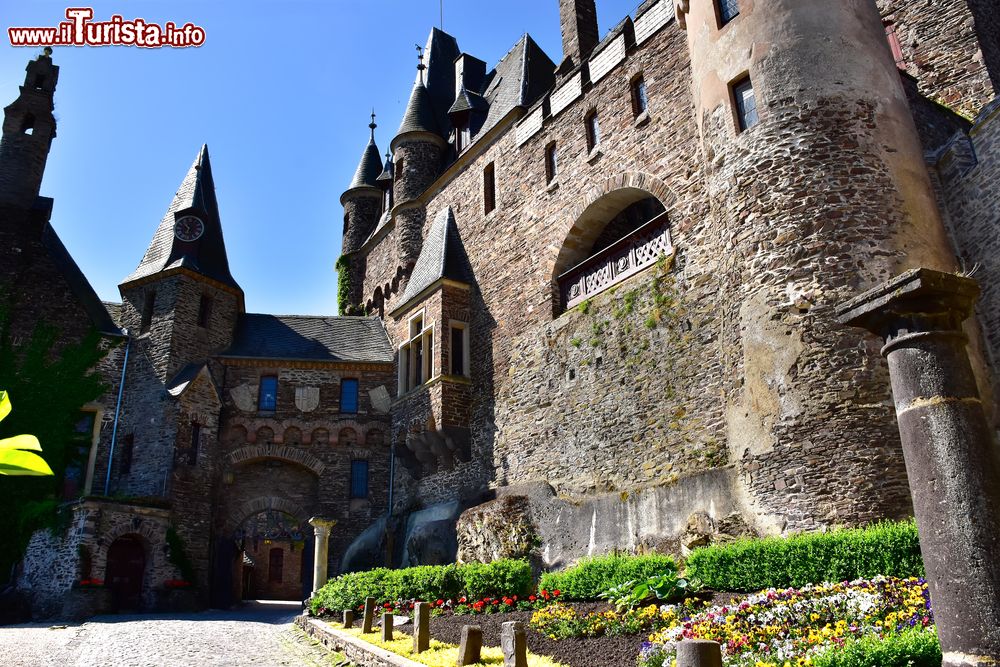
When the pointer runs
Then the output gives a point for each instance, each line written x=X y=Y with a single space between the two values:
x=712 y=381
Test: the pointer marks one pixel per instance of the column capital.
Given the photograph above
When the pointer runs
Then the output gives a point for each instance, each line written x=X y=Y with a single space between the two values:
x=322 y=524
x=919 y=301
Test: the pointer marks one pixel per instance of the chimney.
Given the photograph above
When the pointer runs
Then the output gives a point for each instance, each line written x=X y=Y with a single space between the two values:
x=469 y=72
x=578 y=23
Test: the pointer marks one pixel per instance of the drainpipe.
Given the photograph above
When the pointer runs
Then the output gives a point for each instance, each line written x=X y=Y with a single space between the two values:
x=118 y=409
x=392 y=477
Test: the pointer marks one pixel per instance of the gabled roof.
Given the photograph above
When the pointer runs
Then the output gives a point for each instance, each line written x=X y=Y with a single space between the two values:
x=78 y=283
x=185 y=378
x=442 y=256
x=311 y=338
x=519 y=79
x=207 y=256
x=369 y=168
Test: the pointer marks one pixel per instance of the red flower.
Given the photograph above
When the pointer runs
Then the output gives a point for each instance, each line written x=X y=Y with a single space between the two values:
x=531 y=598
x=387 y=605
x=557 y=592
x=439 y=602
x=462 y=599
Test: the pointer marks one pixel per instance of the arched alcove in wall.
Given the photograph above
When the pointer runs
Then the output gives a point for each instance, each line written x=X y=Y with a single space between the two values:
x=618 y=229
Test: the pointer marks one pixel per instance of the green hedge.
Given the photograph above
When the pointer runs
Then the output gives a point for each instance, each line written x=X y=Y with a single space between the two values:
x=749 y=565
x=592 y=576
x=426 y=582
x=912 y=648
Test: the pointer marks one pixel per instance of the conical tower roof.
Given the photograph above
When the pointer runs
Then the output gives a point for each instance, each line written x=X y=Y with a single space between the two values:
x=367 y=173
x=206 y=254
x=385 y=178
x=419 y=115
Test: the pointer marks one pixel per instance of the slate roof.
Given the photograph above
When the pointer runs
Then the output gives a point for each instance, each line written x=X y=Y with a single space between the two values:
x=387 y=171
x=440 y=53
x=184 y=378
x=419 y=114
x=519 y=80
x=369 y=168
x=207 y=256
x=311 y=338
x=442 y=256
x=78 y=283
x=466 y=101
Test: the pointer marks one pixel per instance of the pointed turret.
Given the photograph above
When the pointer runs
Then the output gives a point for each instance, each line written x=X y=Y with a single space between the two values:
x=443 y=257
x=370 y=166
x=362 y=201
x=418 y=150
x=190 y=234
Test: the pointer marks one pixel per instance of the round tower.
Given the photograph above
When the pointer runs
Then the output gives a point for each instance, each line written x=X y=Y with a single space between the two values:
x=818 y=188
x=362 y=201
x=417 y=150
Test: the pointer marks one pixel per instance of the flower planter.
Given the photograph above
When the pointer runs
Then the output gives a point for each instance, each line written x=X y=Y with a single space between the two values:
x=86 y=601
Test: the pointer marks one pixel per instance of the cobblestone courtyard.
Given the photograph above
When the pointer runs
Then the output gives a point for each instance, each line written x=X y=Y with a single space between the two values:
x=256 y=634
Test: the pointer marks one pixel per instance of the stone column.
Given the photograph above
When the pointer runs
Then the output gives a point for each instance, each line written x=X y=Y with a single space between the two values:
x=514 y=644
x=322 y=528
x=421 y=627
x=952 y=460
x=699 y=653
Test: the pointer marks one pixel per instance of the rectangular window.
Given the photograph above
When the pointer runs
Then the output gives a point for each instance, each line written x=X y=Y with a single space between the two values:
x=639 y=100
x=728 y=10
x=349 y=396
x=195 y=442
x=127 y=445
x=267 y=398
x=551 y=163
x=593 y=130
x=359 y=479
x=459 y=354
x=276 y=565
x=746 y=104
x=416 y=356
x=489 y=188
x=204 y=311
x=147 y=311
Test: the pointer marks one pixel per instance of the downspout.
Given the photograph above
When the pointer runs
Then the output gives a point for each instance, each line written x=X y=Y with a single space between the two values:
x=118 y=409
x=392 y=477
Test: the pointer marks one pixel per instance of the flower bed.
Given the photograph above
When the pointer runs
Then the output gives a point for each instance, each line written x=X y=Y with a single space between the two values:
x=794 y=625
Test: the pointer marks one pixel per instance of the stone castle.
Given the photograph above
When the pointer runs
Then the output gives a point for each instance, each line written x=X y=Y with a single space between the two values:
x=586 y=305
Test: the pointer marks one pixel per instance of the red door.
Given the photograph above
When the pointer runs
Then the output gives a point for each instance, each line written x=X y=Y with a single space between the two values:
x=126 y=566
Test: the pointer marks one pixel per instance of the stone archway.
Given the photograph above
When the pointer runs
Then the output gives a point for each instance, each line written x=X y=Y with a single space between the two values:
x=619 y=212
x=271 y=548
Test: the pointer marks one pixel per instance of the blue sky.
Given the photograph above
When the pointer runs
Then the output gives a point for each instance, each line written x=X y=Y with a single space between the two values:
x=280 y=91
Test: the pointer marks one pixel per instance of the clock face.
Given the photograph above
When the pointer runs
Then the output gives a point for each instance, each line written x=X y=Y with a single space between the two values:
x=189 y=228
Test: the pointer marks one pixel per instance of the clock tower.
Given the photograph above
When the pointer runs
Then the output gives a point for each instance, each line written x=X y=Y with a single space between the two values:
x=182 y=302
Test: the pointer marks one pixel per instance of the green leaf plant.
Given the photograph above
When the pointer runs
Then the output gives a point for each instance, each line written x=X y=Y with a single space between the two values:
x=17 y=455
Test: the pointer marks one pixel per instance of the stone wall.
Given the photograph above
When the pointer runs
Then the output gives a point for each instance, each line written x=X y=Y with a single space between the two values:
x=969 y=171
x=301 y=453
x=944 y=45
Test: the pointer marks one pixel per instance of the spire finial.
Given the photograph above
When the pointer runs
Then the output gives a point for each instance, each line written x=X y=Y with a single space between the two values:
x=420 y=62
x=388 y=156
x=373 y=124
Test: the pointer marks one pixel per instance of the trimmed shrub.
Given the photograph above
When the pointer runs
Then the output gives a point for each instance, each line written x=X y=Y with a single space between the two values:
x=911 y=648
x=591 y=577
x=496 y=579
x=749 y=565
x=426 y=582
